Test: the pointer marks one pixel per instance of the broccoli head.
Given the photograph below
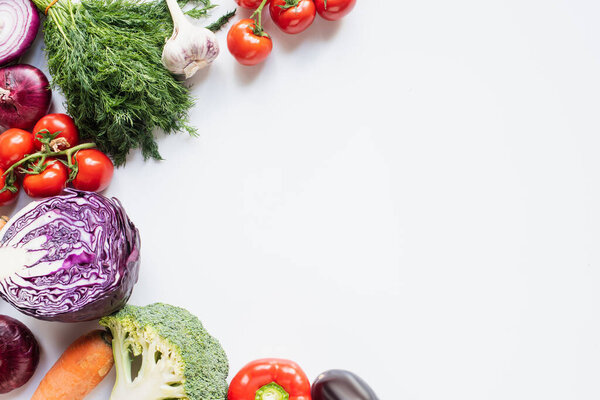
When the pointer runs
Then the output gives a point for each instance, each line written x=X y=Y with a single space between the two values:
x=164 y=352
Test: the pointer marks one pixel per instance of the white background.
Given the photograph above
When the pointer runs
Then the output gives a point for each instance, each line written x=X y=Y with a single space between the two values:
x=411 y=194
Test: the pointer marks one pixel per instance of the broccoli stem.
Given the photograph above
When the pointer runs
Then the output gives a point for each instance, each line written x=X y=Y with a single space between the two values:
x=154 y=381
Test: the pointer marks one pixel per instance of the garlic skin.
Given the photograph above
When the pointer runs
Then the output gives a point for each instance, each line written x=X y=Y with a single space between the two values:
x=190 y=48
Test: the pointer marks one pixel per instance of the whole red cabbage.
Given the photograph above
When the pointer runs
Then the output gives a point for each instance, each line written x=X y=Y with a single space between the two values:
x=19 y=354
x=69 y=258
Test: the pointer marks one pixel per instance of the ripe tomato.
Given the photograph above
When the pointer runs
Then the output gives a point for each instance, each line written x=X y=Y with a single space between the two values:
x=94 y=170
x=14 y=145
x=249 y=4
x=7 y=196
x=295 y=18
x=55 y=123
x=247 y=47
x=333 y=10
x=49 y=182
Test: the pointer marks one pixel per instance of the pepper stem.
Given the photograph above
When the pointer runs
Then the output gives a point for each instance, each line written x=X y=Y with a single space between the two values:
x=272 y=391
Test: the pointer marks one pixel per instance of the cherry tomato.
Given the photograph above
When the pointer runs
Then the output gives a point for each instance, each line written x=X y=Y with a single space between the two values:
x=7 y=196
x=94 y=170
x=55 y=123
x=247 y=47
x=14 y=145
x=333 y=10
x=49 y=182
x=294 y=19
x=249 y=4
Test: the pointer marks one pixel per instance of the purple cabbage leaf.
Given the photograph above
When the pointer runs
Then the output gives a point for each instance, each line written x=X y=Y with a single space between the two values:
x=70 y=258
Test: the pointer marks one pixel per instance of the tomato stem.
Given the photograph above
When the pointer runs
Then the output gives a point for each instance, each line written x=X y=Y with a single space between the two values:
x=271 y=391
x=258 y=20
x=45 y=137
x=289 y=4
x=44 y=154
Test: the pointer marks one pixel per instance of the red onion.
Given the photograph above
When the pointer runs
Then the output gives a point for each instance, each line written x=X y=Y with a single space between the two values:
x=19 y=24
x=19 y=354
x=24 y=96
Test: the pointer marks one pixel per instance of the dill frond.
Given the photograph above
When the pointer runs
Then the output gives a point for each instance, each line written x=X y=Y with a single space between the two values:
x=105 y=56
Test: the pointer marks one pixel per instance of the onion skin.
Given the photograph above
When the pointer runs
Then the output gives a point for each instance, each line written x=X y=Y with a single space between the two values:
x=18 y=31
x=19 y=354
x=25 y=96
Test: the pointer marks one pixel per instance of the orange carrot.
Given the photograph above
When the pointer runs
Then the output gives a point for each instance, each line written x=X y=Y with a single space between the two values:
x=3 y=221
x=80 y=369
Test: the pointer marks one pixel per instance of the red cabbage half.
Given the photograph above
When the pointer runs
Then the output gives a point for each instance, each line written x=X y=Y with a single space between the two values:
x=69 y=258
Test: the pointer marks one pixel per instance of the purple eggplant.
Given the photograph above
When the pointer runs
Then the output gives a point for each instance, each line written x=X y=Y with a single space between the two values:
x=338 y=384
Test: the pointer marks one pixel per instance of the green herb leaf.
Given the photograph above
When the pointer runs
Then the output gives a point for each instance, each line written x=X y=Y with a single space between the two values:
x=105 y=56
x=221 y=22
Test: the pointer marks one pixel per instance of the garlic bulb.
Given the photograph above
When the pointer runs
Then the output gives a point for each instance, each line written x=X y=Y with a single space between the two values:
x=190 y=48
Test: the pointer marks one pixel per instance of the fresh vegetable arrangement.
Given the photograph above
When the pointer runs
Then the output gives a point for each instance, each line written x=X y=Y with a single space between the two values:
x=179 y=358
x=250 y=44
x=279 y=379
x=117 y=74
x=19 y=354
x=75 y=255
x=69 y=258
x=59 y=160
x=106 y=57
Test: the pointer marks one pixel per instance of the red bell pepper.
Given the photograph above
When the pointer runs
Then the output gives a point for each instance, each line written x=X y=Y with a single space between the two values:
x=270 y=379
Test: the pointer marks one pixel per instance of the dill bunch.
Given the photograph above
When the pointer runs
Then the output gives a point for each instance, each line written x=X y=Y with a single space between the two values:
x=105 y=55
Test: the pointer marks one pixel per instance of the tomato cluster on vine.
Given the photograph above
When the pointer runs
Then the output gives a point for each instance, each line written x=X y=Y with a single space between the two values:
x=46 y=161
x=250 y=44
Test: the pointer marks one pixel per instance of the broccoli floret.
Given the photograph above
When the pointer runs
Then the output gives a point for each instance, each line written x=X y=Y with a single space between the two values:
x=179 y=359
